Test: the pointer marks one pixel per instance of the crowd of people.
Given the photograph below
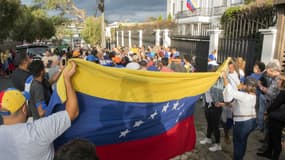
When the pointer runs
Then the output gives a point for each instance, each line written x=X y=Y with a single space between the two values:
x=241 y=102
x=23 y=119
x=150 y=58
x=246 y=103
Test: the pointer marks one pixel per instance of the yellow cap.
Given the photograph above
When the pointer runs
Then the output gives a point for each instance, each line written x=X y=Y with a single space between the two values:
x=12 y=100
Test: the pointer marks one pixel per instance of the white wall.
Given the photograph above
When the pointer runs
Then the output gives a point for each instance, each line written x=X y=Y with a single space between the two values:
x=195 y=19
x=217 y=3
x=236 y=1
x=170 y=8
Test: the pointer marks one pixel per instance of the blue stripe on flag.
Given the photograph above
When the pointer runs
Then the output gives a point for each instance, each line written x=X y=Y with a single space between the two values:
x=107 y=122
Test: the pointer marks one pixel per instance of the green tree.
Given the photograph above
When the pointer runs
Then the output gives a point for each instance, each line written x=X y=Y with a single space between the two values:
x=60 y=24
x=8 y=14
x=43 y=24
x=150 y=19
x=46 y=28
x=32 y=25
x=40 y=13
x=23 y=29
x=65 y=6
x=160 y=18
x=169 y=17
x=92 y=30
x=59 y=20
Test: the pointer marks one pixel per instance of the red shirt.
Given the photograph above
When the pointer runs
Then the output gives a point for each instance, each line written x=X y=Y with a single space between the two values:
x=165 y=69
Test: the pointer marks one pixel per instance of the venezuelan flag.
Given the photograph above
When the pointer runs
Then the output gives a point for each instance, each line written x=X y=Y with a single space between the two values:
x=131 y=114
x=192 y=5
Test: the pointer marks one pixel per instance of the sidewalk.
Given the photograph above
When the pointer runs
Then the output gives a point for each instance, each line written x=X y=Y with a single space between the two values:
x=201 y=152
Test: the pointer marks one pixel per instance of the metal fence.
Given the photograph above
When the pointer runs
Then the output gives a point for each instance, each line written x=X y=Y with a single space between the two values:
x=248 y=49
x=197 y=46
x=148 y=38
x=242 y=37
x=194 y=46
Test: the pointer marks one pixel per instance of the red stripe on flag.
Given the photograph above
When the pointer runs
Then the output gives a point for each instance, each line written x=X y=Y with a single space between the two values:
x=190 y=7
x=1 y=97
x=176 y=141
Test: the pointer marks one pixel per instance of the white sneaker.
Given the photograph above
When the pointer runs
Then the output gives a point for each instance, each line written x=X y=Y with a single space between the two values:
x=215 y=147
x=206 y=140
x=183 y=157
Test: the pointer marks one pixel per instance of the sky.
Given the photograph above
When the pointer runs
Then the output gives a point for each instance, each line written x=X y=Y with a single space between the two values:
x=123 y=10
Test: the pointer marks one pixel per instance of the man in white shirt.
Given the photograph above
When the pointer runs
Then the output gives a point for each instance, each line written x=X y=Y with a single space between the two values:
x=33 y=140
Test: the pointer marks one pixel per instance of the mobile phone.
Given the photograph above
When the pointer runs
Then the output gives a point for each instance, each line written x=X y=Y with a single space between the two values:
x=49 y=63
x=63 y=62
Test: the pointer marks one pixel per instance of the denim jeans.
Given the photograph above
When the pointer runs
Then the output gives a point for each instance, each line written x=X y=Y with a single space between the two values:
x=261 y=110
x=241 y=131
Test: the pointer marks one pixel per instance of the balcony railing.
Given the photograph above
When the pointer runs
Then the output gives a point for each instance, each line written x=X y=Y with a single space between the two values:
x=215 y=11
x=198 y=12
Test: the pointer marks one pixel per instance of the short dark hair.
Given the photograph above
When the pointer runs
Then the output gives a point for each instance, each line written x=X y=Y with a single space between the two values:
x=143 y=63
x=261 y=66
x=233 y=63
x=78 y=149
x=187 y=58
x=36 y=67
x=20 y=58
x=164 y=61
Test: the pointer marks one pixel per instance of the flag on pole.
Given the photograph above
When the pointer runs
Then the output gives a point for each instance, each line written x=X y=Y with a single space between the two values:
x=192 y=5
x=130 y=114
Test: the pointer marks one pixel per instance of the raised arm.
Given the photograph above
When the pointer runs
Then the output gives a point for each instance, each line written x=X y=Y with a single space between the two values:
x=71 y=101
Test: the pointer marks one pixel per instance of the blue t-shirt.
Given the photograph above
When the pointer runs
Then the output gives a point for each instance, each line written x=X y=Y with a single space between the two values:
x=255 y=76
x=212 y=57
x=152 y=68
x=176 y=54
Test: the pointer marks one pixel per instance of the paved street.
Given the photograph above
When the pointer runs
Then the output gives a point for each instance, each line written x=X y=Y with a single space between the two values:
x=201 y=152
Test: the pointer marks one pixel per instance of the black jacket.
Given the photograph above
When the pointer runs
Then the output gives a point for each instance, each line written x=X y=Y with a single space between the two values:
x=275 y=111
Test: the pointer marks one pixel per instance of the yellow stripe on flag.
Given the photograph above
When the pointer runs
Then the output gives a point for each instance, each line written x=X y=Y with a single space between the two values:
x=137 y=86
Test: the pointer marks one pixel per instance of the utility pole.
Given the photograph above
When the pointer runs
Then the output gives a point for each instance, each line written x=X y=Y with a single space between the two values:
x=101 y=7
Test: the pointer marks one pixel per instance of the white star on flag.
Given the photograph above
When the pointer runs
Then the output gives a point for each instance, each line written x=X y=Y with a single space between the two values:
x=165 y=107
x=124 y=133
x=138 y=123
x=180 y=114
x=175 y=105
x=180 y=106
x=152 y=116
